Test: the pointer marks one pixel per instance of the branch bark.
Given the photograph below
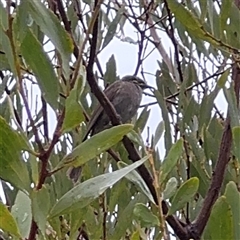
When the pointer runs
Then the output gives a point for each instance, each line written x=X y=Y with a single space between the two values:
x=129 y=146
x=200 y=223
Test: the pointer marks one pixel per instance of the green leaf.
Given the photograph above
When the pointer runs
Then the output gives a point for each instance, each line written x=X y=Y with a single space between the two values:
x=163 y=107
x=191 y=23
x=42 y=68
x=137 y=179
x=223 y=78
x=84 y=193
x=73 y=114
x=125 y=219
x=13 y=169
x=8 y=54
x=7 y=222
x=158 y=133
x=145 y=216
x=206 y=108
x=40 y=207
x=3 y=17
x=233 y=198
x=220 y=223
x=112 y=29
x=232 y=106
x=171 y=160
x=236 y=141
x=95 y=145
x=81 y=80
x=171 y=188
x=111 y=72
x=51 y=26
x=4 y=65
x=224 y=15
x=197 y=168
x=142 y=119
x=136 y=138
x=22 y=213
x=184 y=194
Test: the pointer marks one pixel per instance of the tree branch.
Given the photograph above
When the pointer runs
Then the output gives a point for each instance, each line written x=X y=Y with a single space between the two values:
x=132 y=152
x=218 y=173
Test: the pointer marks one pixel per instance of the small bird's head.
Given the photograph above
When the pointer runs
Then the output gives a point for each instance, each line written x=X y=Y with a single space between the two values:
x=136 y=80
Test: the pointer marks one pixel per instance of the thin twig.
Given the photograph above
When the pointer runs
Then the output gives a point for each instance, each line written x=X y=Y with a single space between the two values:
x=175 y=44
x=196 y=84
x=45 y=119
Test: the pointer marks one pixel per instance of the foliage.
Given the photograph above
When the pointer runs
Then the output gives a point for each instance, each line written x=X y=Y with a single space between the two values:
x=49 y=51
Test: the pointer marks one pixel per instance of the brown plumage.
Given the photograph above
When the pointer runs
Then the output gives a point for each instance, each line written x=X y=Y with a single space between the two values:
x=125 y=95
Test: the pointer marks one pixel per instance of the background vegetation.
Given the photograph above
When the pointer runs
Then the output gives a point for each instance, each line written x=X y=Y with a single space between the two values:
x=49 y=62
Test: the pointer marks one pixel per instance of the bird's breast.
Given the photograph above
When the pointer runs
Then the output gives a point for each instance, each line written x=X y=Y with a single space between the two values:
x=127 y=101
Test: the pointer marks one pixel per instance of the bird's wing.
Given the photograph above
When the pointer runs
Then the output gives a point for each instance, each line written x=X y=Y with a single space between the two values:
x=110 y=92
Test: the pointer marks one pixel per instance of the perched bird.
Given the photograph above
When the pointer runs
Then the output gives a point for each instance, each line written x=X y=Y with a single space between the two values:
x=125 y=95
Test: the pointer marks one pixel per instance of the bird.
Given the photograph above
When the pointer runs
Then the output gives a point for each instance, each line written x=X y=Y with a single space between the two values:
x=125 y=96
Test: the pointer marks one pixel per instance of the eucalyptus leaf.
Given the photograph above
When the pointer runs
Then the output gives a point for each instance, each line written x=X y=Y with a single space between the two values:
x=73 y=113
x=112 y=29
x=233 y=198
x=232 y=106
x=42 y=68
x=171 y=188
x=13 y=169
x=192 y=23
x=110 y=74
x=171 y=160
x=220 y=223
x=84 y=193
x=7 y=222
x=95 y=145
x=236 y=142
x=145 y=216
x=51 y=26
x=40 y=207
x=184 y=194
x=163 y=107
x=137 y=179
x=22 y=213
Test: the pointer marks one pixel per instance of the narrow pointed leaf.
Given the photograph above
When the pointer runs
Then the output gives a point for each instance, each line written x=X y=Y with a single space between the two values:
x=232 y=106
x=13 y=169
x=171 y=160
x=184 y=194
x=192 y=24
x=3 y=17
x=163 y=107
x=7 y=53
x=51 y=26
x=73 y=115
x=112 y=29
x=84 y=193
x=7 y=222
x=145 y=216
x=220 y=223
x=135 y=177
x=170 y=189
x=110 y=74
x=22 y=213
x=95 y=145
x=236 y=142
x=42 y=68
x=233 y=198
x=158 y=133
x=40 y=207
